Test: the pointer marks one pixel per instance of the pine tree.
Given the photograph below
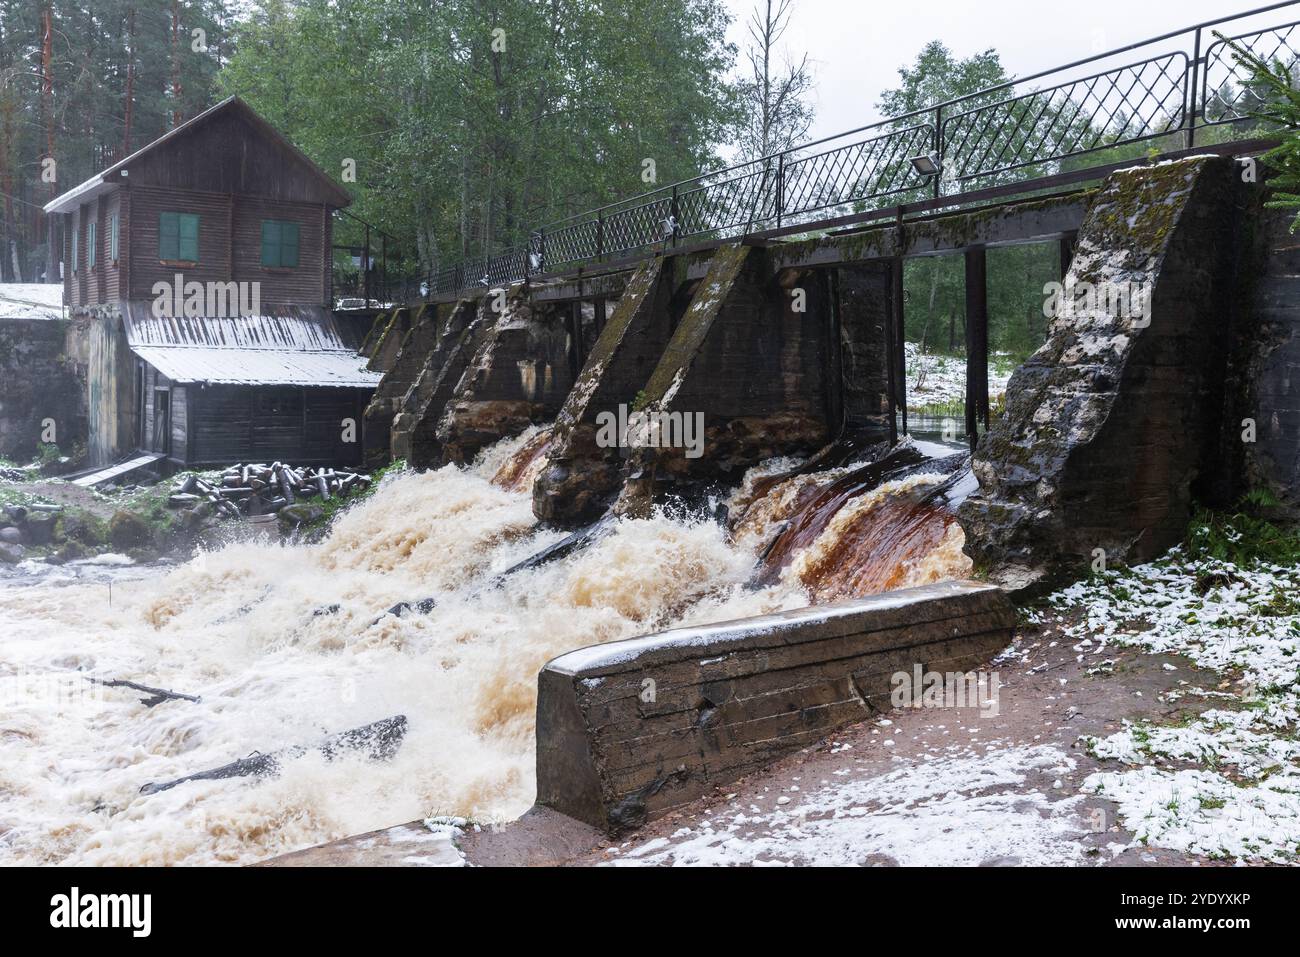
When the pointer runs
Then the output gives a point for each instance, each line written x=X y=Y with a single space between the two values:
x=1274 y=86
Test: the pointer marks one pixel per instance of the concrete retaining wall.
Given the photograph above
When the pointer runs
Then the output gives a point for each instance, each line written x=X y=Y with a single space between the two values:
x=39 y=380
x=631 y=729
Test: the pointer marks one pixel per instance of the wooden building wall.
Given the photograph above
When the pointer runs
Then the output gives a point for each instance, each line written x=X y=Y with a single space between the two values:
x=234 y=174
x=229 y=424
x=103 y=284
x=175 y=438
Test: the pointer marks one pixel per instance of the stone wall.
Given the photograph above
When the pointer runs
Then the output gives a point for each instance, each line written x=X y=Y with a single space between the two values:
x=1105 y=429
x=39 y=380
x=631 y=729
x=1271 y=383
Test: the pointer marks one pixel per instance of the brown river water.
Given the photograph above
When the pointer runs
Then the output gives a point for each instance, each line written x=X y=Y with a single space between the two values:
x=251 y=630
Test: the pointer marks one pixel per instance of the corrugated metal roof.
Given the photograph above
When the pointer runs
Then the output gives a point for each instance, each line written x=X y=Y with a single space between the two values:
x=224 y=365
x=300 y=345
x=306 y=328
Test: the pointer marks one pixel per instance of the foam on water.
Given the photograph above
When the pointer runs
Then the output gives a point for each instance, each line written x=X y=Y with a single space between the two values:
x=237 y=627
x=282 y=643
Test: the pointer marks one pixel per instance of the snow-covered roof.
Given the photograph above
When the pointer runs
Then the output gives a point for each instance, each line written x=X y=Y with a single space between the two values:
x=296 y=328
x=31 y=300
x=223 y=365
x=299 y=345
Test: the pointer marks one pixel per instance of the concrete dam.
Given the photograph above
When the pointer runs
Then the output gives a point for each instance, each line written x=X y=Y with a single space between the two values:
x=685 y=488
x=787 y=354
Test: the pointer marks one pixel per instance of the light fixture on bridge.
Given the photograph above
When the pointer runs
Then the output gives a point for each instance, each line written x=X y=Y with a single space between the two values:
x=670 y=227
x=927 y=164
x=534 y=261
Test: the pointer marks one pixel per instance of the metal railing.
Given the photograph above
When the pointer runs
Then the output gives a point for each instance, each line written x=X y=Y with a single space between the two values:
x=1010 y=133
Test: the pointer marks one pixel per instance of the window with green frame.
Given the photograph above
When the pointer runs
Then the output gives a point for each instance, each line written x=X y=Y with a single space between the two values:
x=279 y=243
x=112 y=238
x=178 y=237
x=90 y=245
x=74 y=251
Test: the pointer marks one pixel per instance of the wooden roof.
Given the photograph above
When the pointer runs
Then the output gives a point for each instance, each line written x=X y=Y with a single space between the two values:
x=153 y=156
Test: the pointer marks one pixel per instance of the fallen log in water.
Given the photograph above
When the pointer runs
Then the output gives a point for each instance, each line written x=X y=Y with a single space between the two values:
x=156 y=695
x=564 y=547
x=378 y=741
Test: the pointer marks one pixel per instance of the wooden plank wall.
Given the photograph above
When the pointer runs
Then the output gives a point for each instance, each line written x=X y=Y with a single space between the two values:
x=232 y=424
x=629 y=730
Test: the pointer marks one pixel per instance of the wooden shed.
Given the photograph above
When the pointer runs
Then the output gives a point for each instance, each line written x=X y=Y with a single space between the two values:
x=247 y=389
x=202 y=262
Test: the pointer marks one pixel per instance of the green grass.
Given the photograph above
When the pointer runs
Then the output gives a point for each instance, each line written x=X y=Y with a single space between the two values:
x=1243 y=535
x=338 y=504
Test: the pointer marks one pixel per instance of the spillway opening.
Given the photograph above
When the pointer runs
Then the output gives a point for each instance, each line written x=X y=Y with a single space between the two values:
x=940 y=338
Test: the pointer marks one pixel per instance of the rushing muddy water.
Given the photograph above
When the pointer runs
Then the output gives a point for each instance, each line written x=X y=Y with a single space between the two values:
x=287 y=644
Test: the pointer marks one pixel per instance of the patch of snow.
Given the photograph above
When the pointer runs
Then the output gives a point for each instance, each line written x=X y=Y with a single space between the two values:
x=1240 y=798
x=964 y=810
x=31 y=300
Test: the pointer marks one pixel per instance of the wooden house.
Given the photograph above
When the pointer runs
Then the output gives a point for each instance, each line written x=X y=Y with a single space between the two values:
x=202 y=264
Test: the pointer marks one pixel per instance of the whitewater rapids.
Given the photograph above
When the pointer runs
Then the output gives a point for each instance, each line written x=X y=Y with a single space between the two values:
x=240 y=628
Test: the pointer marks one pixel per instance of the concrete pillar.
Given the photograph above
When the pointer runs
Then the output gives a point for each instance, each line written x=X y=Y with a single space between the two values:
x=1105 y=427
x=745 y=368
x=581 y=475
x=414 y=351
x=414 y=428
x=861 y=297
x=520 y=374
x=390 y=343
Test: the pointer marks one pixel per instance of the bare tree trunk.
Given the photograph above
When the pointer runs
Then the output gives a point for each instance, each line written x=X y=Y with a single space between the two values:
x=129 y=104
x=47 y=117
x=177 y=113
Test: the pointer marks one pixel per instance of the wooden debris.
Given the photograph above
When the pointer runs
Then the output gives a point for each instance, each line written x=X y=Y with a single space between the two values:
x=252 y=490
x=156 y=695
x=379 y=741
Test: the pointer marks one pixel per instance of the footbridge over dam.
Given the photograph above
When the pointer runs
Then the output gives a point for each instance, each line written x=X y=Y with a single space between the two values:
x=766 y=302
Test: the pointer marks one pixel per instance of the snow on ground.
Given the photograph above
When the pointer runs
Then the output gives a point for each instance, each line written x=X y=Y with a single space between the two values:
x=965 y=808
x=31 y=300
x=940 y=380
x=1224 y=783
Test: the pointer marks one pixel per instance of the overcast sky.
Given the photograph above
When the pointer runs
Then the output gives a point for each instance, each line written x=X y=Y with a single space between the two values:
x=858 y=45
